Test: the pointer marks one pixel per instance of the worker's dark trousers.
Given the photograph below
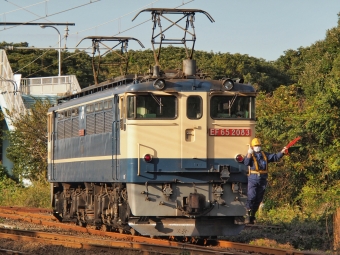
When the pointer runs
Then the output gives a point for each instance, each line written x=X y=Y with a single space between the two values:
x=256 y=187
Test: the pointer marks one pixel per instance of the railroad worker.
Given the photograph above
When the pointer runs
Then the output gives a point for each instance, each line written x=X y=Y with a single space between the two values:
x=257 y=162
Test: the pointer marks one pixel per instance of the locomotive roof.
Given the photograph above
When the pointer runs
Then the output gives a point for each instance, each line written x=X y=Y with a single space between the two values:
x=126 y=84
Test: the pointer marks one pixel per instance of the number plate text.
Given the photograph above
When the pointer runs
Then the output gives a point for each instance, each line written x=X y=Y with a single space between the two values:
x=229 y=132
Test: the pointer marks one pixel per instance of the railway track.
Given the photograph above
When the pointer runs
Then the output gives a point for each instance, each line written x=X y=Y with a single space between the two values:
x=117 y=241
x=104 y=245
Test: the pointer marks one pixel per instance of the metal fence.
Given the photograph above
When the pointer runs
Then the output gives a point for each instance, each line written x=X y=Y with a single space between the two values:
x=55 y=85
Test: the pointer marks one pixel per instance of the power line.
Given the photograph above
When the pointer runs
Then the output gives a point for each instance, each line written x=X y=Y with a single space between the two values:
x=31 y=62
x=94 y=1
x=149 y=19
x=50 y=64
x=28 y=10
x=102 y=24
x=4 y=13
x=183 y=3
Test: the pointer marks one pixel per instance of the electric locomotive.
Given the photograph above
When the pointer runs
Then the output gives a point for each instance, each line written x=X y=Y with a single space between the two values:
x=157 y=154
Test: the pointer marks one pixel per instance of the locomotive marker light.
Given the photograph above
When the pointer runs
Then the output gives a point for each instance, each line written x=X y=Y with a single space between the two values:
x=228 y=84
x=239 y=158
x=159 y=84
x=147 y=158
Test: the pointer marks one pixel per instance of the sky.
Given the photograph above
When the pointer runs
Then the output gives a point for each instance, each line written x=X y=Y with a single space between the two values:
x=259 y=28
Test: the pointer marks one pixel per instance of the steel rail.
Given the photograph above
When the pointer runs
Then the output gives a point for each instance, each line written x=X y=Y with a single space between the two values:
x=114 y=235
x=91 y=243
x=26 y=209
x=28 y=214
x=6 y=251
x=260 y=249
x=222 y=247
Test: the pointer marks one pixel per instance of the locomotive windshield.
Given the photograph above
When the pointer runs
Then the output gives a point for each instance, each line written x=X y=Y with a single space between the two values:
x=238 y=107
x=151 y=107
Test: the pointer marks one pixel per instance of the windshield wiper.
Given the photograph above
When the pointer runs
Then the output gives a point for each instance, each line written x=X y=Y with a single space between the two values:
x=158 y=101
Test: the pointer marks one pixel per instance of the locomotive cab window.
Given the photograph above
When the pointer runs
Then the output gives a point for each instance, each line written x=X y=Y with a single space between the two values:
x=151 y=107
x=194 y=107
x=232 y=107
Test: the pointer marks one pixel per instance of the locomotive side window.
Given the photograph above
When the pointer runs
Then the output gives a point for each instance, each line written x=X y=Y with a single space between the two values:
x=60 y=115
x=194 y=107
x=89 y=108
x=98 y=106
x=68 y=114
x=236 y=107
x=107 y=104
x=74 y=112
x=151 y=107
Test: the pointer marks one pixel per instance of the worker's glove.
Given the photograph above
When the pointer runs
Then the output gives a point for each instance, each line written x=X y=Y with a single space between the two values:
x=250 y=151
x=284 y=150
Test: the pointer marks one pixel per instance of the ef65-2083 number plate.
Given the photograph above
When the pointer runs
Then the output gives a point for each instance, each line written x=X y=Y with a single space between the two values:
x=229 y=132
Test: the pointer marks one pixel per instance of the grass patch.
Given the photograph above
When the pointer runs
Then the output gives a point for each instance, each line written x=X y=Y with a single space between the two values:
x=14 y=194
x=288 y=228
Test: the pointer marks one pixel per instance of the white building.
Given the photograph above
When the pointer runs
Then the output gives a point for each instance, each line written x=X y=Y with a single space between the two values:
x=18 y=94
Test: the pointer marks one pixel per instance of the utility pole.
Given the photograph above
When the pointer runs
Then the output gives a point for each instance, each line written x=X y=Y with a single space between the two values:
x=59 y=43
x=43 y=25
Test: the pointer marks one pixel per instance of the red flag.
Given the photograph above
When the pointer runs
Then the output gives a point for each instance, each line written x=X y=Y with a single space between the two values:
x=291 y=143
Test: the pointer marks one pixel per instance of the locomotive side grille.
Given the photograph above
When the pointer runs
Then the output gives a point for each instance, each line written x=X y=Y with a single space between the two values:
x=99 y=123
x=90 y=124
x=108 y=121
x=75 y=127
x=68 y=128
x=60 y=130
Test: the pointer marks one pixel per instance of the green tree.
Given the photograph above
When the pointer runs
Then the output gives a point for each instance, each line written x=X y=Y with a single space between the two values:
x=309 y=108
x=28 y=142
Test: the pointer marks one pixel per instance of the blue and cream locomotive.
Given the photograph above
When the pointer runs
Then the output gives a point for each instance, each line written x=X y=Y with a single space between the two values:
x=158 y=154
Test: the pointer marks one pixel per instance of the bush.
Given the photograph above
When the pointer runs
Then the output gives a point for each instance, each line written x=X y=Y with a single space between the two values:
x=13 y=193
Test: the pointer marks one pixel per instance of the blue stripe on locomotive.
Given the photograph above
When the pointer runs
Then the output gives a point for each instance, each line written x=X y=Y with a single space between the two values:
x=126 y=171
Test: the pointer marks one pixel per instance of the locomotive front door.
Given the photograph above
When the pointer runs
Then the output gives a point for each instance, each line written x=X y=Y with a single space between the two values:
x=194 y=131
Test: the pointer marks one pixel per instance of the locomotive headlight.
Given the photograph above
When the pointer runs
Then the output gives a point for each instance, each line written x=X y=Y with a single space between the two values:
x=239 y=158
x=228 y=84
x=147 y=158
x=159 y=84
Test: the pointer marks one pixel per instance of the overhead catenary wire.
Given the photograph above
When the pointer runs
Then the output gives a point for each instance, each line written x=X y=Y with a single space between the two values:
x=132 y=27
x=4 y=13
x=25 y=8
x=107 y=22
x=119 y=19
x=92 y=1
x=149 y=19
x=54 y=63
x=78 y=32
x=31 y=62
